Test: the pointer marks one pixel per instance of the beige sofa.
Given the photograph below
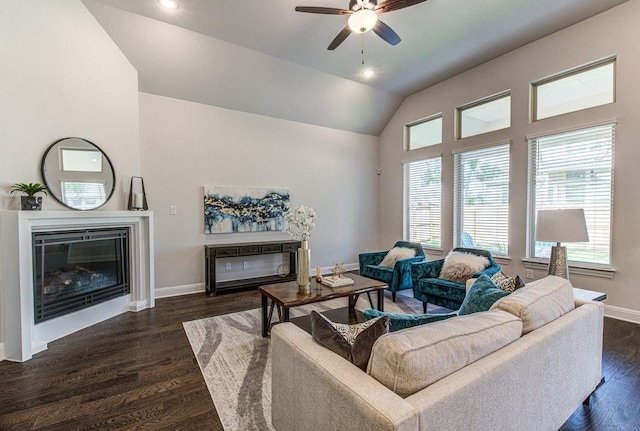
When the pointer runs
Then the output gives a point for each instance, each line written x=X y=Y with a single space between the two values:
x=527 y=364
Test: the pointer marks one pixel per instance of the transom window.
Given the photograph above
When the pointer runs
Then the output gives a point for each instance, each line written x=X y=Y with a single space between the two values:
x=486 y=115
x=577 y=89
x=422 y=202
x=481 y=199
x=423 y=133
x=574 y=170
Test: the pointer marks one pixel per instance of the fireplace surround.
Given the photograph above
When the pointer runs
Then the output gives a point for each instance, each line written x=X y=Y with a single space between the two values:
x=22 y=337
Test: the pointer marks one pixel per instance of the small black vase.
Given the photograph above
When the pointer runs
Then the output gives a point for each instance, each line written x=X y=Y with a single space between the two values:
x=31 y=203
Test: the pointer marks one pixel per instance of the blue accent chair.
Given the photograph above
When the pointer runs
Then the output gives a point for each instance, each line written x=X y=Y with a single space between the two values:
x=428 y=288
x=398 y=277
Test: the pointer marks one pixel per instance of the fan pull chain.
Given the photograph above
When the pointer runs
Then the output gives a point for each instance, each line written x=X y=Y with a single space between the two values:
x=362 y=47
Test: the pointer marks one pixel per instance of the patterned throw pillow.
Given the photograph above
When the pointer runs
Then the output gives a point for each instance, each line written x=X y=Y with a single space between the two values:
x=482 y=295
x=396 y=254
x=506 y=283
x=460 y=267
x=352 y=342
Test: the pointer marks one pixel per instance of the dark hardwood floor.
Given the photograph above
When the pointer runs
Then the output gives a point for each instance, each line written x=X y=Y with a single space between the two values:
x=137 y=372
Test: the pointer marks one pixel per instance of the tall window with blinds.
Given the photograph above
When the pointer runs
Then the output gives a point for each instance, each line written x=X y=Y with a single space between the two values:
x=574 y=170
x=481 y=199
x=422 y=202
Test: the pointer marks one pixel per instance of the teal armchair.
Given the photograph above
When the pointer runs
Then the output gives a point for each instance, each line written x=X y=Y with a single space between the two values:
x=398 y=277
x=428 y=288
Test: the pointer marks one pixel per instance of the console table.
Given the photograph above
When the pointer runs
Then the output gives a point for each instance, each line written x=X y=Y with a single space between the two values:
x=221 y=251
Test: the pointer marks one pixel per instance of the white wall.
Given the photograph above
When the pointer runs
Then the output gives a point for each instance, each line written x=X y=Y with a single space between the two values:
x=612 y=32
x=61 y=75
x=187 y=145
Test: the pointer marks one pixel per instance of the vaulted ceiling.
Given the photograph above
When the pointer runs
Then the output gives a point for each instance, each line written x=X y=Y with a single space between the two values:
x=264 y=58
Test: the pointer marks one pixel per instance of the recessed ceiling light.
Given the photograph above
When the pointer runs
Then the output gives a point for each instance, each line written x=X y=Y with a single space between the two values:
x=169 y=4
x=368 y=73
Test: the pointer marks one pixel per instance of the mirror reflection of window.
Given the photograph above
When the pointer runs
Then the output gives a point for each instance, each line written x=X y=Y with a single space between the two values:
x=83 y=195
x=80 y=160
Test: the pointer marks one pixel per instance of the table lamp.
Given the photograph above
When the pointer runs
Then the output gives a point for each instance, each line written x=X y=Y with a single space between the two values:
x=567 y=225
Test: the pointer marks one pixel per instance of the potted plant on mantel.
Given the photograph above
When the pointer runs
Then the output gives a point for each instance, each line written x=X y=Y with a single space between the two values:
x=30 y=201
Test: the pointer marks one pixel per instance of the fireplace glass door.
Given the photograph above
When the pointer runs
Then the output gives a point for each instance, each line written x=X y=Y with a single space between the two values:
x=76 y=269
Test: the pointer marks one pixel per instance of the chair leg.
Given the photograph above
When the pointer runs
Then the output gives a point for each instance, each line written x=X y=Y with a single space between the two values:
x=424 y=307
x=393 y=296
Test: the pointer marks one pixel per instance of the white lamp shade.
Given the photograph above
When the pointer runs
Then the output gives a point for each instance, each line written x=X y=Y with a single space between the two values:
x=566 y=225
x=362 y=21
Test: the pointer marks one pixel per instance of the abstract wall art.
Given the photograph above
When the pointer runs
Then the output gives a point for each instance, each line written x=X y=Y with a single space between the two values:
x=244 y=209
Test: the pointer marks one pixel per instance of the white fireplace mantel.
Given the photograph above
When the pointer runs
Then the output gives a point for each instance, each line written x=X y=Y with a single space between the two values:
x=20 y=336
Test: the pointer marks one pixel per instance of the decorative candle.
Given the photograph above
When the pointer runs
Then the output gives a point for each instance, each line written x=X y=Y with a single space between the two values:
x=318 y=274
x=137 y=200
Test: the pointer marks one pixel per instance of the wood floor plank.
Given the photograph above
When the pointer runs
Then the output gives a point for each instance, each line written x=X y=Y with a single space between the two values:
x=137 y=372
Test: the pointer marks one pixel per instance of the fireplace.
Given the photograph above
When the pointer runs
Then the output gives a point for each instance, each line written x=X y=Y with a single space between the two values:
x=24 y=334
x=77 y=269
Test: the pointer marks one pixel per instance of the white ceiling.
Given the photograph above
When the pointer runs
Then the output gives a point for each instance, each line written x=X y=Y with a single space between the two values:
x=273 y=61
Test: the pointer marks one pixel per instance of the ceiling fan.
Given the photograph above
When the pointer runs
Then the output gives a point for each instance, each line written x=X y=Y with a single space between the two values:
x=363 y=16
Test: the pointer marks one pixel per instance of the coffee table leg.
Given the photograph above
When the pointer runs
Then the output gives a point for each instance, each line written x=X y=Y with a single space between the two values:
x=265 y=317
x=286 y=314
x=381 y=299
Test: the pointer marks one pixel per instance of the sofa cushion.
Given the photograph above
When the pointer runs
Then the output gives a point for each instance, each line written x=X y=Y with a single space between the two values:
x=539 y=302
x=482 y=295
x=459 y=267
x=396 y=254
x=400 y=321
x=410 y=360
x=352 y=342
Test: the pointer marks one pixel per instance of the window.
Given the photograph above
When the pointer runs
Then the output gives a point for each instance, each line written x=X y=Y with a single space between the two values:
x=481 y=199
x=580 y=88
x=486 y=115
x=422 y=191
x=423 y=133
x=574 y=170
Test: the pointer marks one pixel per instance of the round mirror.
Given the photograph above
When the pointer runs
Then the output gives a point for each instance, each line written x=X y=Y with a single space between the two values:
x=78 y=174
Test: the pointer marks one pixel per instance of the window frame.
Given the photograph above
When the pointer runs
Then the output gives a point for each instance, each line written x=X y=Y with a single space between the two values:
x=485 y=100
x=406 y=217
x=459 y=195
x=408 y=126
x=568 y=73
x=532 y=199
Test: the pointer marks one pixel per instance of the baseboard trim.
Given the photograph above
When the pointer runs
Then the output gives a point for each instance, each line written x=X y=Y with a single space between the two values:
x=186 y=289
x=2 y=356
x=620 y=313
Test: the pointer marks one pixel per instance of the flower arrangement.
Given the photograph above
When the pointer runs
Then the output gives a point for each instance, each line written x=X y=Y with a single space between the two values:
x=303 y=219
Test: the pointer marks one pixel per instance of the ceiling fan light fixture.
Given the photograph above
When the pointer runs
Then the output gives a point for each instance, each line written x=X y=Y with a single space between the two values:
x=362 y=21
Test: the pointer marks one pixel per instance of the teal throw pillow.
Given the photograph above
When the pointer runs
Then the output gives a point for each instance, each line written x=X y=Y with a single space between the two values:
x=481 y=296
x=400 y=321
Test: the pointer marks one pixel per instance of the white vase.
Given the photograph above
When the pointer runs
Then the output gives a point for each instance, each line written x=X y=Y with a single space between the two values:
x=304 y=266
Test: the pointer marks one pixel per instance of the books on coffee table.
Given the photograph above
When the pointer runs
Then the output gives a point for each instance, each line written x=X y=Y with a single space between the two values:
x=337 y=281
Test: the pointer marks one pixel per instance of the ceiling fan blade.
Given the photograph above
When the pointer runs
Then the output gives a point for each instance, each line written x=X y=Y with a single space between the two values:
x=340 y=38
x=386 y=33
x=391 y=5
x=323 y=10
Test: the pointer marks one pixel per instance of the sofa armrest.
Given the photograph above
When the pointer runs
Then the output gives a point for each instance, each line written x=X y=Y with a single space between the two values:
x=315 y=389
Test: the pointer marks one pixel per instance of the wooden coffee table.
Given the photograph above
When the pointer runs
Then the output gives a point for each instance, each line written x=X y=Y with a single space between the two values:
x=285 y=296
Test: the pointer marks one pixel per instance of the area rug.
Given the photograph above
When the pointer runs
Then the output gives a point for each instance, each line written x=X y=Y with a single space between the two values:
x=236 y=364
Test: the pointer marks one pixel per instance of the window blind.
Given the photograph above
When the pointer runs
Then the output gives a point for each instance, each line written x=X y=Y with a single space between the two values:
x=83 y=195
x=481 y=199
x=574 y=170
x=422 y=202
